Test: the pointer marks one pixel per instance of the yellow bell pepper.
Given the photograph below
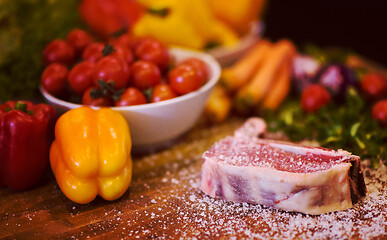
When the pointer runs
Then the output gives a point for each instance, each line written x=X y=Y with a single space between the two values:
x=187 y=23
x=91 y=154
x=237 y=14
x=171 y=29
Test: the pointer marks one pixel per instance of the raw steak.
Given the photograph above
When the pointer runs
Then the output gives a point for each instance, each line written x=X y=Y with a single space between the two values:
x=310 y=180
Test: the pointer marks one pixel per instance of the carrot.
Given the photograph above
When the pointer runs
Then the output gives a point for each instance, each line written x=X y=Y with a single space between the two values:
x=237 y=75
x=280 y=88
x=252 y=93
x=218 y=105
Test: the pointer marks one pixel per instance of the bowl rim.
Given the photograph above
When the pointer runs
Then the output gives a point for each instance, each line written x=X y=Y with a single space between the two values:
x=256 y=31
x=212 y=63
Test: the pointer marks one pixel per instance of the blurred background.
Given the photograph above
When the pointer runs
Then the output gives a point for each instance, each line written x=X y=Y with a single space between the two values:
x=26 y=26
x=357 y=25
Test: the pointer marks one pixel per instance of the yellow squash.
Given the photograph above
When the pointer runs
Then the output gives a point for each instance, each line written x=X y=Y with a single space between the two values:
x=91 y=154
x=218 y=105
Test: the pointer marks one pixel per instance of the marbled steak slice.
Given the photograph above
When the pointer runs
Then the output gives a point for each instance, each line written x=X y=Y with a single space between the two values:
x=310 y=180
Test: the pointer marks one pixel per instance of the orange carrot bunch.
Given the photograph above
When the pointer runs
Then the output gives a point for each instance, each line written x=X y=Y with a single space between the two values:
x=259 y=80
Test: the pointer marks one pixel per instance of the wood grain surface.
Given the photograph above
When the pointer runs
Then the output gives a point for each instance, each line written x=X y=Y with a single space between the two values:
x=164 y=202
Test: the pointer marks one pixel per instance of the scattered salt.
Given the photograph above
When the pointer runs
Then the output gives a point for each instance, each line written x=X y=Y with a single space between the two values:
x=201 y=216
x=186 y=213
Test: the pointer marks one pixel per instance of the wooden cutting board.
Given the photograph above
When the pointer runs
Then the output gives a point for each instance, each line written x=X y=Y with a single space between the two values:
x=164 y=202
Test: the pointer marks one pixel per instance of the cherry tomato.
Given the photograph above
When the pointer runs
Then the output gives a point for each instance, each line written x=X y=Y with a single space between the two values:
x=314 y=97
x=136 y=40
x=79 y=39
x=131 y=96
x=374 y=85
x=93 y=52
x=200 y=66
x=379 y=112
x=99 y=101
x=81 y=77
x=145 y=74
x=59 y=51
x=154 y=51
x=111 y=68
x=125 y=40
x=54 y=79
x=123 y=52
x=162 y=92
x=184 y=79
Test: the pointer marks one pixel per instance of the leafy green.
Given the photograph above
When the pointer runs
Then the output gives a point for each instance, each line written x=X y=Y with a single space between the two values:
x=26 y=27
x=327 y=55
x=348 y=126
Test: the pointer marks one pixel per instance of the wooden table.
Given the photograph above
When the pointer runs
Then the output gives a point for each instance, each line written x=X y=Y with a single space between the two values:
x=164 y=202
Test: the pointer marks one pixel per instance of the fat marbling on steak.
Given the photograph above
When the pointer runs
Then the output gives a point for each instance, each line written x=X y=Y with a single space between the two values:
x=283 y=175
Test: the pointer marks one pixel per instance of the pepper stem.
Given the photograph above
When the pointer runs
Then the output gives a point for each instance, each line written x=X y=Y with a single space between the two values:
x=22 y=107
x=161 y=12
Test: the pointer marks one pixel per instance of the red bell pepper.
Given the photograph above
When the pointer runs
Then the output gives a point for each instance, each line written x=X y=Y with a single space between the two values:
x=26 y=132
x=106 y=17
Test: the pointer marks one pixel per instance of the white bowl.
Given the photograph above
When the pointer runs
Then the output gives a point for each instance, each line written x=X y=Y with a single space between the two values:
x=155 y=125
x=226 y=56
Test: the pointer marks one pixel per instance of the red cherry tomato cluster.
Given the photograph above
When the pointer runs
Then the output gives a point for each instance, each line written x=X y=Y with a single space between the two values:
x=372 y=85
x=121 y=72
